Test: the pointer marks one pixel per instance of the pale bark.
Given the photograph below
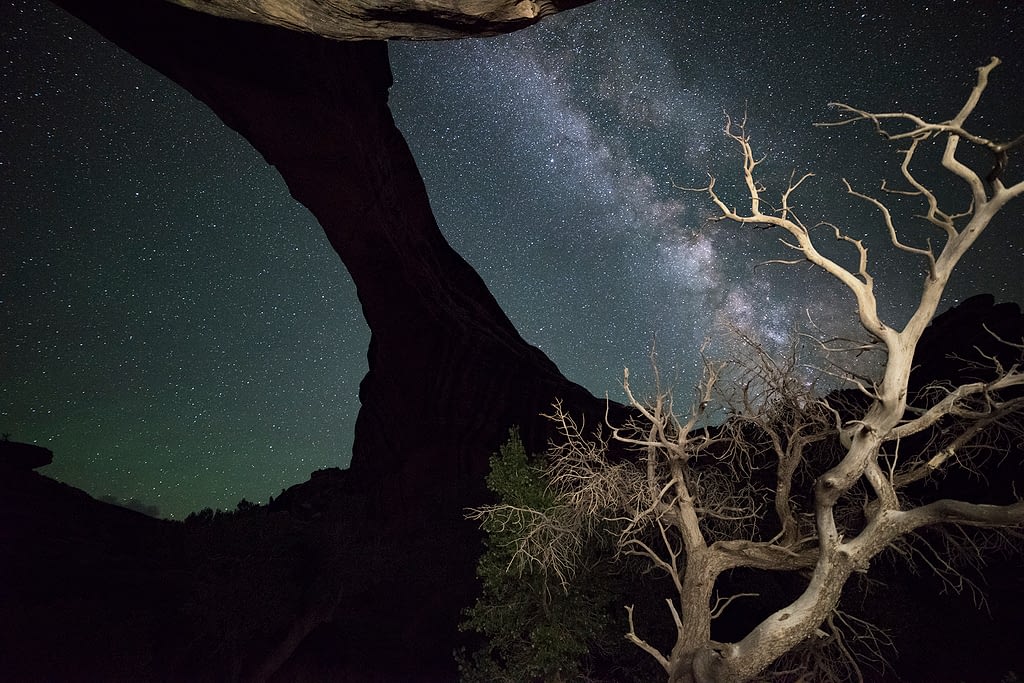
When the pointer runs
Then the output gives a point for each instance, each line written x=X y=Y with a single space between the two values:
x=669 y=508
x=883 y=421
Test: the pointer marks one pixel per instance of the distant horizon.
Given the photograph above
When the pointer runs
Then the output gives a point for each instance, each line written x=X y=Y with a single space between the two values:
x=154 y=511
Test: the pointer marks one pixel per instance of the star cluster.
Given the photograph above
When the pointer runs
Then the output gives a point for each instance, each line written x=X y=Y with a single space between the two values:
x=177 y=329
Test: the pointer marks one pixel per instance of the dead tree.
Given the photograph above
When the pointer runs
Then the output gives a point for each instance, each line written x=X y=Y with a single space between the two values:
x=694 y=521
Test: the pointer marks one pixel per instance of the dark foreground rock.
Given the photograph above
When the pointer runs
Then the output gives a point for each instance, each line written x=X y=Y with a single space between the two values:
x=317 y=587
x=23 y=456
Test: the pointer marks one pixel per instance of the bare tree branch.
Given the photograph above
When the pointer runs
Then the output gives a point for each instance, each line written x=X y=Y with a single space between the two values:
x=689 y=503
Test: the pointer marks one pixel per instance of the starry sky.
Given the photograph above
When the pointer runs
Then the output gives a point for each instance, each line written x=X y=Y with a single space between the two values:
x=178 y=331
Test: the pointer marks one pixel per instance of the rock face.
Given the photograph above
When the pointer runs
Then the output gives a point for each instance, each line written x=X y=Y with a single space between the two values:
x=387 y=19
x=448 y=373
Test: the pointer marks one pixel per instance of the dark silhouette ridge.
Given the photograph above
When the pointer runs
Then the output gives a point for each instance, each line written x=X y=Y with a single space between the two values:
x=23 y=456
x=85 y=586
x=312 y=587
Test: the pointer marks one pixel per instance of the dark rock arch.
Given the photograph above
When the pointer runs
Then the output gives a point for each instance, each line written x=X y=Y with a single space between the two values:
x=448 y=372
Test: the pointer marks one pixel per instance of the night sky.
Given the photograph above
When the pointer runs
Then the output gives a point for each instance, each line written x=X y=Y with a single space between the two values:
x=176 y=328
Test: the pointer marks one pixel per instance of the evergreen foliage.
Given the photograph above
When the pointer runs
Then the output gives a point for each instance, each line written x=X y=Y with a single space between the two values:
x=533 y=628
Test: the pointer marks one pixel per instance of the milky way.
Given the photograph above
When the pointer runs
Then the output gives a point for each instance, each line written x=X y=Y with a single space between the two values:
x=604 y=110
x=178 y=330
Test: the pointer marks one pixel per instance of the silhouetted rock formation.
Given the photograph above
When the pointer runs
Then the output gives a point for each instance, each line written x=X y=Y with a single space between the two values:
x=385 y=19
x=448 y=373
x=86 y=587
x=964 y=339
x=23 y=456
x=315 y=587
